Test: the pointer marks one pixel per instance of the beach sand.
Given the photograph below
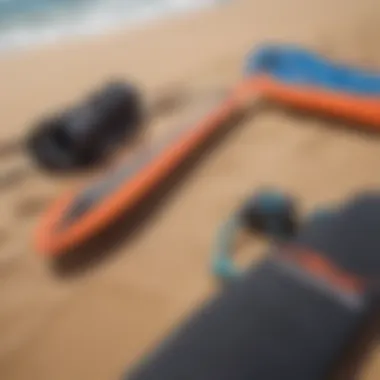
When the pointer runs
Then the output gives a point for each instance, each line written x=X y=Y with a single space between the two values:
x=94 y=323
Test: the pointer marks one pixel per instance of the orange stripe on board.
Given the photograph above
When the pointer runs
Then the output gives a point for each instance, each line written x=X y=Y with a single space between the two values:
x=320 y=267
x=356 y=108
x=50 y=241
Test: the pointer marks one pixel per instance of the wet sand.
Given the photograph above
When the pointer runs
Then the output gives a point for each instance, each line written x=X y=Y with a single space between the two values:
x=93 y=323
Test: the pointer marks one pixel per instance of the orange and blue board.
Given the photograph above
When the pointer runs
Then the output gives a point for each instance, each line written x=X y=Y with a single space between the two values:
x=287 y=74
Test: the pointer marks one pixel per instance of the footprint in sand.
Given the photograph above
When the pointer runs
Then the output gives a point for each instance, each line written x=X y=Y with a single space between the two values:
x=3 y=238
x=6 y=257
x=9 y=148
x=13 y=177
x=29 y=207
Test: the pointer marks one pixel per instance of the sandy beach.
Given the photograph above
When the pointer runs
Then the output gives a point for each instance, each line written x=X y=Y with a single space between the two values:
x=95 y=323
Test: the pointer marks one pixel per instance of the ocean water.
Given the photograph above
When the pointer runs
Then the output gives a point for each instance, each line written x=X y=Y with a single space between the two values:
x=25 y=23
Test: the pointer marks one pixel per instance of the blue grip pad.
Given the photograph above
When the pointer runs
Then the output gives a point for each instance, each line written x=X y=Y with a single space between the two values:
x=297 y=66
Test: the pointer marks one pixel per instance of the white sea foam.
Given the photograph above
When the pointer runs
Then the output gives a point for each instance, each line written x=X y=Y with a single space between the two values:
x=23 y=30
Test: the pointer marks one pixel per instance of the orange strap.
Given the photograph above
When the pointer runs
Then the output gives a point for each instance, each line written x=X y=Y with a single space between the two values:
x=320 y=267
